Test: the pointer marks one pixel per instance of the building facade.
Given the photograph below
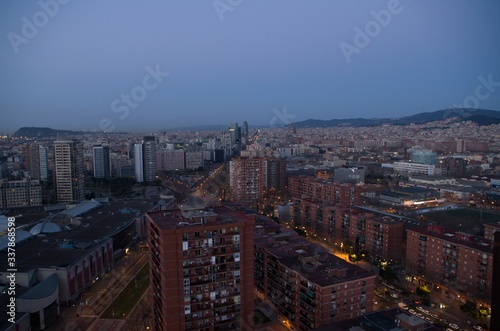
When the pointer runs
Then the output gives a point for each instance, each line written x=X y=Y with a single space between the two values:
x=171 y=159
x=69 y=171
x=307 y=285
x=458 y=261
x=314 y=188
x=275 y=172
x=138 y=163
x=246 y=180
x=20 y=193
x=101 y=161
x=36 y=159
x=201 y=269
x=351 y=229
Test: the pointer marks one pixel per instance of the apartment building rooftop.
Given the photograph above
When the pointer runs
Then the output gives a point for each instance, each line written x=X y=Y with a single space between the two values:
x=460 y=238
x=179 y=218
x=311 y=260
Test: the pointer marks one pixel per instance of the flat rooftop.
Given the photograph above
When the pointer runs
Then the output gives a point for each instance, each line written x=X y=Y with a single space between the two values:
x=182 y=217
x=312 y=261
x=475 y=242
x=44 y=251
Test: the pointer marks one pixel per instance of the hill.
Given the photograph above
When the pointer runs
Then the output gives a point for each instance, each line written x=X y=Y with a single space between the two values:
x=479 y=116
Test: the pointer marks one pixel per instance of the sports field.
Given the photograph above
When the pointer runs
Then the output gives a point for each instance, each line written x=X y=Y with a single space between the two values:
x=465 y=219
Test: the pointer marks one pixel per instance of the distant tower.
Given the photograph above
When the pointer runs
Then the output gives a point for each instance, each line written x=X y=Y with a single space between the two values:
x=138 y=161
x=36 y=157
x=244 y=133
x=145 y=160
x=235 y=133
x=102 y=161
x=69 y=171
x=149 y=155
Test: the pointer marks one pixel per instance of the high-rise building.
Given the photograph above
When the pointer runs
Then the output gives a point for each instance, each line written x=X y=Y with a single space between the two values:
x=149 y=156
x=69 y=172
x=235 y=134
x=36 y=159
x=275 y=173
x=139 y=163
x=171 y=159
x=244 y=133
x=102 y=161
x=145 y=160
x=246 y=180
x=201 y=269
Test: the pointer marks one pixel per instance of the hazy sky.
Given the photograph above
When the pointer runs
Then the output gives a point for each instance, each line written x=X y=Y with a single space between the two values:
x=155 y=64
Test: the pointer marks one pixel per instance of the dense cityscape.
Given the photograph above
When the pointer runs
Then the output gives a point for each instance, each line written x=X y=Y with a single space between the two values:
x=252 y=228
x=249 y=165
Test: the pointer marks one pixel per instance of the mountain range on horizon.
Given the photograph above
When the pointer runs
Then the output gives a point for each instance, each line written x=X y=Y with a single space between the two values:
x=479 y=116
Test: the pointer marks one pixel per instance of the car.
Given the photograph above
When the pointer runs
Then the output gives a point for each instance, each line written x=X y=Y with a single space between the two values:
x=394 y=295
x=375 y=302
x=412 y=311
x=402 y=305
x=478 y=328
x=428 y=319
x=420 y=315
x=420 y=308
x=454 y=326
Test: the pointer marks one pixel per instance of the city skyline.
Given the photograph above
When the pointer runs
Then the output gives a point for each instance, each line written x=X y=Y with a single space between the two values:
x=79 y=66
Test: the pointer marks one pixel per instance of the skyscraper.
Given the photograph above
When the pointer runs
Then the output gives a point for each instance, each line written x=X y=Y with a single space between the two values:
x=244 y=133
x=102 y=161
x=247 y=180
x=235 y=134
x=201 y=269
x=149 y=156
x=69 y=173
x=36 y=159
x=275 y=172
x=139 y=163
x=145 y=160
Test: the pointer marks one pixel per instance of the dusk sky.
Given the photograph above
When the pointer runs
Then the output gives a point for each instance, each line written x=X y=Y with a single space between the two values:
x=152 y=65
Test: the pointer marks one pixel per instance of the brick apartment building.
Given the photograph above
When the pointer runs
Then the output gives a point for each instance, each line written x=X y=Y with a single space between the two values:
x=249 y=177
x=351 y=228
x=460 y=262
x=307 y=285
x=314 y=188
x=201 y=269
